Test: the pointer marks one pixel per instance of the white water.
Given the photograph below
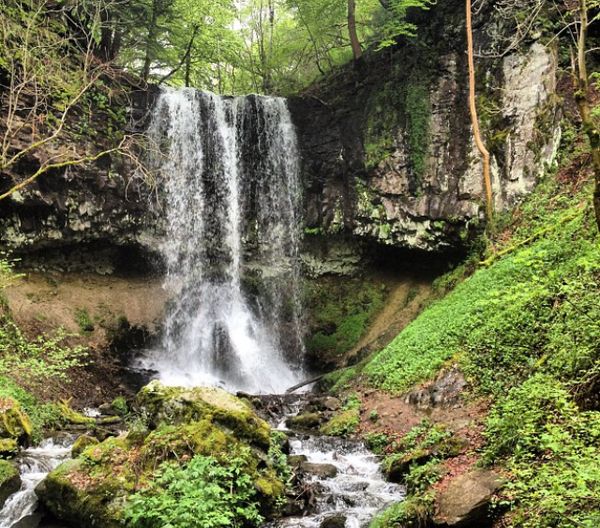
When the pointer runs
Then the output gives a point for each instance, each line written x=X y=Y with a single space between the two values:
x=34 y=464
x=358 y=491
x=230 y=174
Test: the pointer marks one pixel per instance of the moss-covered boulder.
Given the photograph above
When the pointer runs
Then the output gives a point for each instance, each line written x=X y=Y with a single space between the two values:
x=177 y=405
x=10 y=481
x=82 y=443
x=14 y=422
x=181 y=425
x=8 y=447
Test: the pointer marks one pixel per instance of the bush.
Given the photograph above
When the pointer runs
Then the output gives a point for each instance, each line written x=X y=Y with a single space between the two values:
x=203 y=494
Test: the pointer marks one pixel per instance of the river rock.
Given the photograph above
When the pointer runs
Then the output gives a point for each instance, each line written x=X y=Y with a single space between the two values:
x=310 y=420
x=337 y=520
x=10 y=481
x=464 y=504
x=319 y=470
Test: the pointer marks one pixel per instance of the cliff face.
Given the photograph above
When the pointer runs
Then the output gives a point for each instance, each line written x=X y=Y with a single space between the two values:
x=387 y=147
x=387 y=156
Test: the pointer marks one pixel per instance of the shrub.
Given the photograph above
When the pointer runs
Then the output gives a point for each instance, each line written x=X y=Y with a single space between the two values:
x=203 y=494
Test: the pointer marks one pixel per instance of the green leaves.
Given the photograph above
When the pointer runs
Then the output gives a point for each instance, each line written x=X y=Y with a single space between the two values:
x=203 y=494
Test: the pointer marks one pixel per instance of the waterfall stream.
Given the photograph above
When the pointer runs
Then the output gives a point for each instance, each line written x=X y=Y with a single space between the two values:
x=232 y=202
x=34 y=464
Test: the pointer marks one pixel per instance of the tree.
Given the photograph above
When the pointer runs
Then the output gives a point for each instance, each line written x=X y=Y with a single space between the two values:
x=45 y=77
x=354 y=42
x=582 y=93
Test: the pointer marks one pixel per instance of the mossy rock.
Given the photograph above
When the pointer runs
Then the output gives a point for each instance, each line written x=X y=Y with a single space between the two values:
x=10 y=481
x=82 y=443
x=92 y=490
x=76 y=497
x=14 y=422
x=8 y=447
x=396 y=467
x=342 y=424
x=177 y=405
x=304 y=421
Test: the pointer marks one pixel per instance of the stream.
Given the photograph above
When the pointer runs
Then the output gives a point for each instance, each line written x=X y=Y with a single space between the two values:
x=34 y=463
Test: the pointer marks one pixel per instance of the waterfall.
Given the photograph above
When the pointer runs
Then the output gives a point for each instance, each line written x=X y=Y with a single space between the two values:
x=229 y=172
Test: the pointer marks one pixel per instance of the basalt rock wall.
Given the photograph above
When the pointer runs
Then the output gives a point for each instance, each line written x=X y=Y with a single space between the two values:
x=387 y=145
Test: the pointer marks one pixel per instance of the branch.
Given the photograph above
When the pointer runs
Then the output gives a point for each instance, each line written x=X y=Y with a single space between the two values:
x=183 y=59
x=47 y=167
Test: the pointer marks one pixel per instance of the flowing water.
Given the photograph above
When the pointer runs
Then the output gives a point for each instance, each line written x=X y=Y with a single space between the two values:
x=34 y=464
x=355 y=495
x=232 y=202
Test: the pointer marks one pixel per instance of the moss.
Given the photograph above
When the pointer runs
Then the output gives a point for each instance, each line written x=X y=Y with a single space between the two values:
x=14 y=422
x=340 y=311
x=10 y=481
x=175 y=405
x=82 y=443
x=304 y=421
x=119 y=405
x=8 y=447
x=70 y=415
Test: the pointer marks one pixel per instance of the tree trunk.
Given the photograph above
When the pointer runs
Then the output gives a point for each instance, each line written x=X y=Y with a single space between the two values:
x=354 y=42
x=583 y=103
x=149 y=41
x=485 y=155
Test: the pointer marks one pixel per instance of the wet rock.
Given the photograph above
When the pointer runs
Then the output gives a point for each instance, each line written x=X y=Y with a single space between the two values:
x=310 y=420
x=319 y=470
x=334 y=521
x=10 y=481
x=296 y=460
x=465 y=502
x=396 y=468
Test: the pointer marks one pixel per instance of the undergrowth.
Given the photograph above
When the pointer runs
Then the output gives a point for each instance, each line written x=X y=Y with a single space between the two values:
x=525 y=330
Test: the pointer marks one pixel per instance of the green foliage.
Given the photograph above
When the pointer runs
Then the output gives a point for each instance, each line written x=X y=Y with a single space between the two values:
x=38 y=359
x=413 y=512
x=340 y=313
x=119 y=405
x=42 y=415
x=550 y=447
x=377 y=442
x=345 y=422
x=84 y=321
x=422 y=476
x=204 y=494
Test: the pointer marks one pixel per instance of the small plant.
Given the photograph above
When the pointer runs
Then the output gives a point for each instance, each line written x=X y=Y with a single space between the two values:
x=373 y=415
x=119 y=405
x=83 y=319
x=203 y=494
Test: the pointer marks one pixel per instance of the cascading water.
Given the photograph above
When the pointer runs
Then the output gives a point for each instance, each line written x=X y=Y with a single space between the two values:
x=34 y=464
x=232 y=193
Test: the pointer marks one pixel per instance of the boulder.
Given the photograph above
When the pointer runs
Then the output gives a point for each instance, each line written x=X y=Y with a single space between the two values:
x=177 y=405
x=465 y=502
x=82 y=443
x=92 y=489
x=10 y=481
